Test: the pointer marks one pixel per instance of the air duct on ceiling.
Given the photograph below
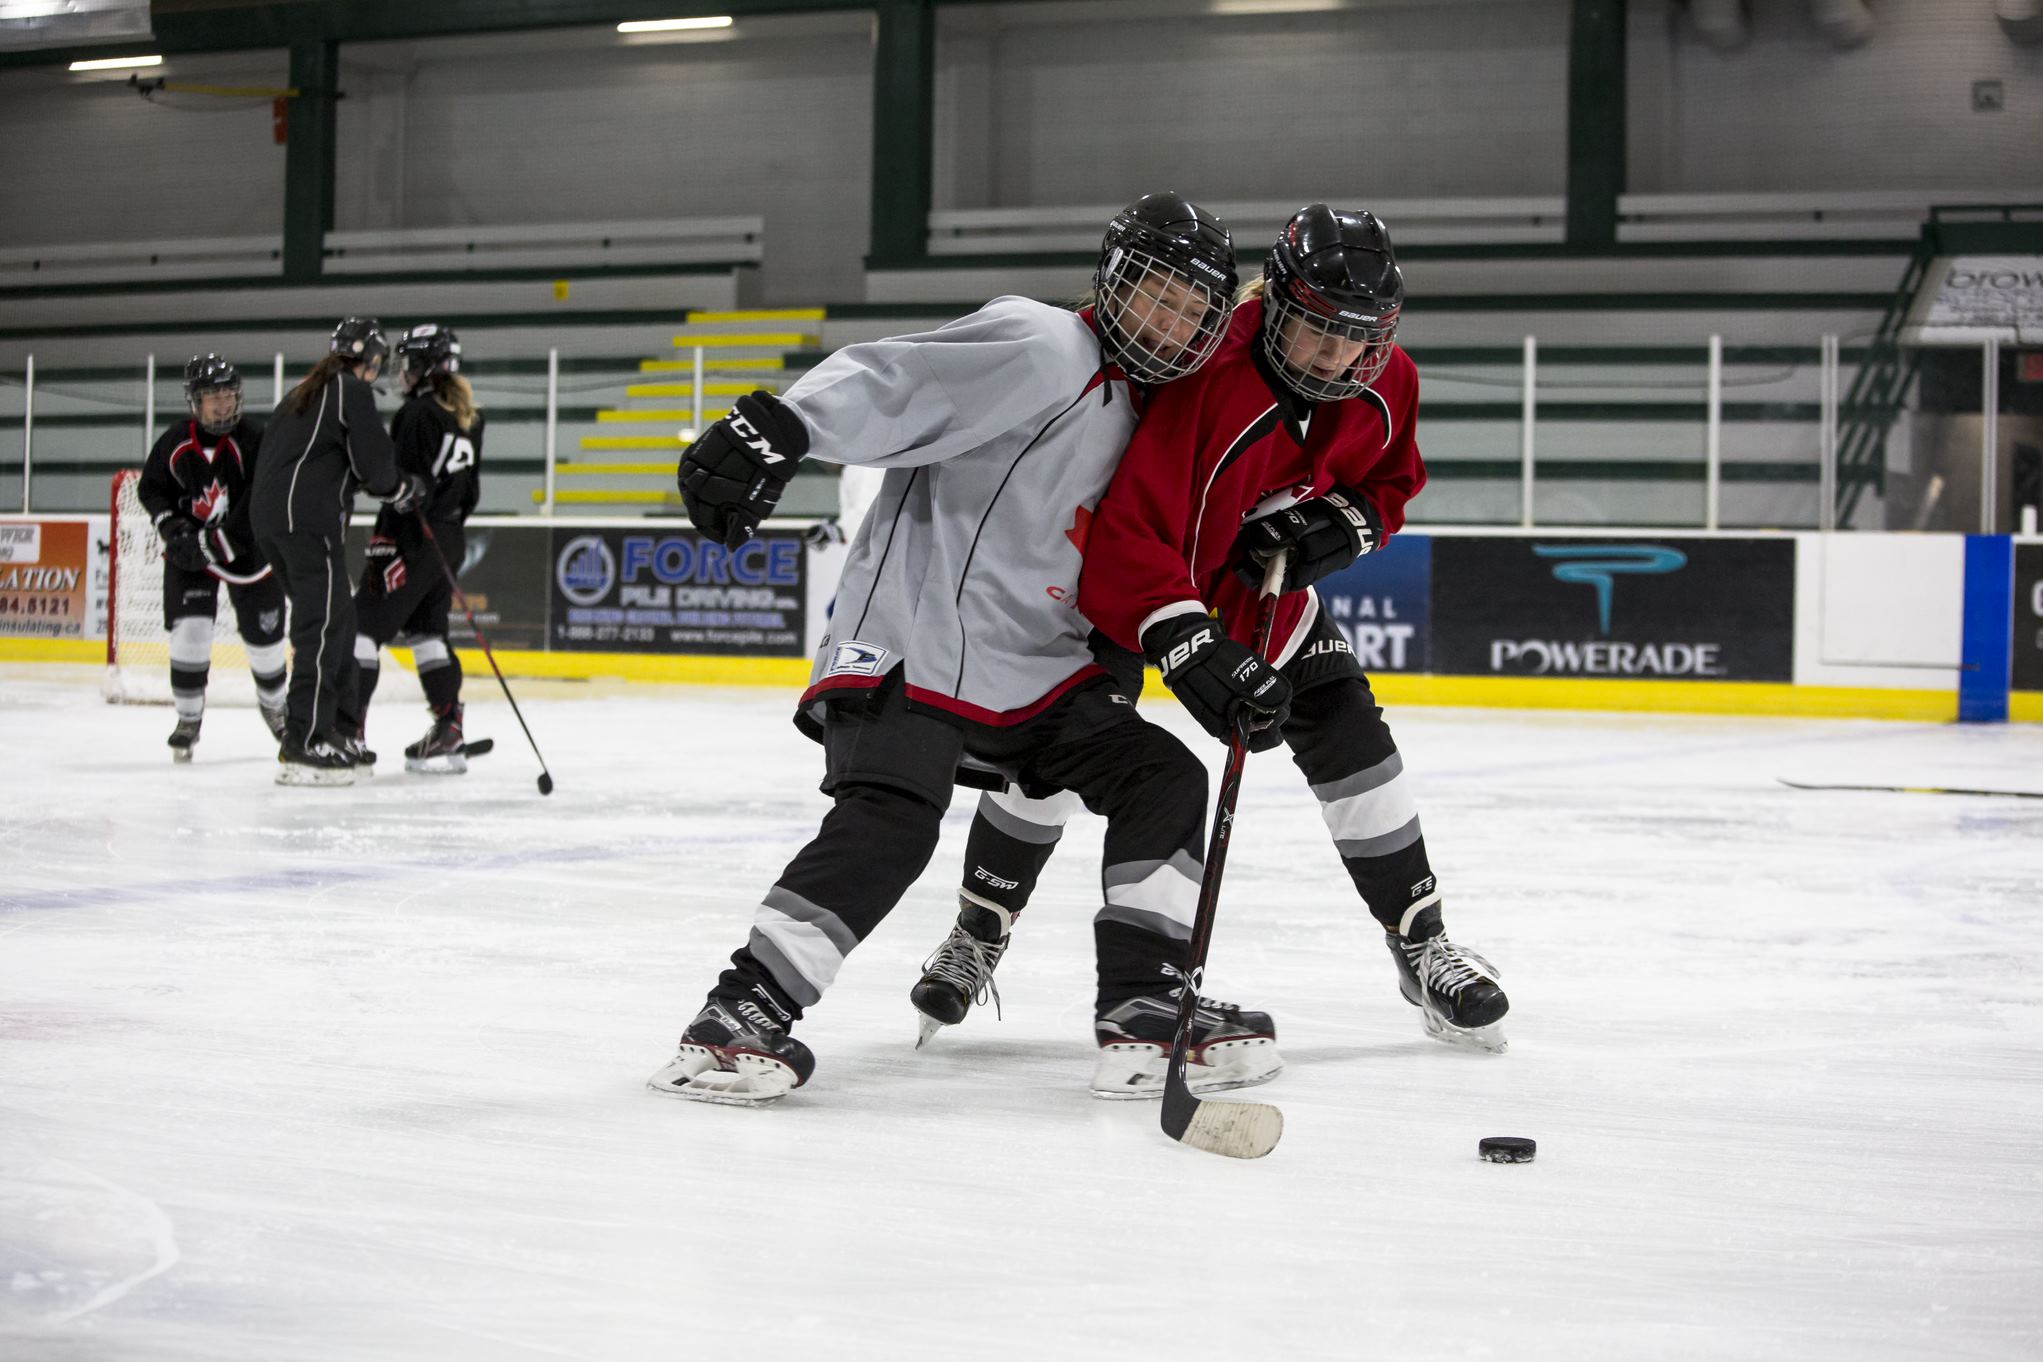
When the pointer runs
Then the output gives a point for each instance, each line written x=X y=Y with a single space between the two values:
x=1847 y=23
x=1723 y=24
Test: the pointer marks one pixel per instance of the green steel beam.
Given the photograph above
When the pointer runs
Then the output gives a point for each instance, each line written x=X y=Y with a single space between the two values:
x=904 y=83
x=1596 y=117
x=310 y=158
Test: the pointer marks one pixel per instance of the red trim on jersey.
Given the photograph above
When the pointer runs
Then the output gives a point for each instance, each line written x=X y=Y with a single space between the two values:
x=1005 y=718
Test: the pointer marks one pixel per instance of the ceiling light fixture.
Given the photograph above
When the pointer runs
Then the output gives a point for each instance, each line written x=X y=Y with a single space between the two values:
x=673 y=25
x=112 y=63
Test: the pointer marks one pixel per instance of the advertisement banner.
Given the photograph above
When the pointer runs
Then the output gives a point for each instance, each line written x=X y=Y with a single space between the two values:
x=47 y=580
x=1382 y=604
x=672 y=591
x=2028 y=652
x=1663 y=610
x=503 y=572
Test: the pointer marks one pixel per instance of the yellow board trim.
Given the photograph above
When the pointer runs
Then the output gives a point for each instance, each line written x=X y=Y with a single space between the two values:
x=2026 y=706
x=1668 y=697
x=762 y=340
x=765 y=314
x=632 y=442
x=674 y=366
x=53 y=650
x=792 y=672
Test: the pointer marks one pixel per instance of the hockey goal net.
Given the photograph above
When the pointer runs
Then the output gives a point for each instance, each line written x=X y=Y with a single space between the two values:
x=137 y=645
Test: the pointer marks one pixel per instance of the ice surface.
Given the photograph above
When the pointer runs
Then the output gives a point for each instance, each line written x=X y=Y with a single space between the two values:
x=357 y=1074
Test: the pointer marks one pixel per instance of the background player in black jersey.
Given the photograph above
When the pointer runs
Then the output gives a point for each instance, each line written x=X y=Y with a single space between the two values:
x=324 y=441
x=195 y=487
x=404 y=591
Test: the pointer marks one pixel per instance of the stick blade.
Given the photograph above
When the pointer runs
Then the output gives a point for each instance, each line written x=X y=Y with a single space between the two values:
x=1235 y=1130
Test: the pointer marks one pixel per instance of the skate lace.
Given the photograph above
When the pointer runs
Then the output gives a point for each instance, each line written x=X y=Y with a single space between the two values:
x=965 y=960
x=1449 y=968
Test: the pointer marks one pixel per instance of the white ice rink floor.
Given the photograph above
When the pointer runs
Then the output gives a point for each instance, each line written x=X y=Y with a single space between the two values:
x=358 y=1074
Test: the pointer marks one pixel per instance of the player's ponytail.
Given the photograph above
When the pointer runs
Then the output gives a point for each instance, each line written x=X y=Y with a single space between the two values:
x=322 y=373
x=453 y=392
x=1252 y=289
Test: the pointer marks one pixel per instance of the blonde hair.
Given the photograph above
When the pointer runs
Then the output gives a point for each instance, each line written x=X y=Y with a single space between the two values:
x=453 y=392
x=1252 y=289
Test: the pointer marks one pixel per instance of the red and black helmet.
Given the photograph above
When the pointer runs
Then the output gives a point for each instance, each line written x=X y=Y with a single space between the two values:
x=1334 y=274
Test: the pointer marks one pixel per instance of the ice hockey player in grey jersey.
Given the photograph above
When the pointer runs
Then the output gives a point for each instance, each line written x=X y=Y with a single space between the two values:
x=955 y=635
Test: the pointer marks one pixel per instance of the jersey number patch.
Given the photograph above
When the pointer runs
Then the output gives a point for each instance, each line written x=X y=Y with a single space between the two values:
x=456 y=453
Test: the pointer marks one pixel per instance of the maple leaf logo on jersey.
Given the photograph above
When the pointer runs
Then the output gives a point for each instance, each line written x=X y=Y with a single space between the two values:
x=210 y=505
x=1081 y=529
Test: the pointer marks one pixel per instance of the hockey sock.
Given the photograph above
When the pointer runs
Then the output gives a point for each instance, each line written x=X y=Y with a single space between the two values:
x=1011 y=840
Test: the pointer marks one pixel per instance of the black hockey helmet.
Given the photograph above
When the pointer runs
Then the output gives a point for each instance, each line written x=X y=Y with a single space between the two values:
x=1331 y=281
x=1164 y=287
x=425 y=350
x=358 y=340
x=208 y=374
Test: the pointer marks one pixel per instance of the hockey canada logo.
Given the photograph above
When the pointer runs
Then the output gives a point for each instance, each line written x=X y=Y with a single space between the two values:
x=210 y=504
x=853 y=658
x=586 y=570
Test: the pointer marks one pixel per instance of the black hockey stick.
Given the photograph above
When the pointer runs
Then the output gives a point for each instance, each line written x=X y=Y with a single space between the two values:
x=545 y=776
x=1239 y=1130
x=1916 y=789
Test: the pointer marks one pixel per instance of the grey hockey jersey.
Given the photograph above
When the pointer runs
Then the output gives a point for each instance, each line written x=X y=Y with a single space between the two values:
x=999 y=433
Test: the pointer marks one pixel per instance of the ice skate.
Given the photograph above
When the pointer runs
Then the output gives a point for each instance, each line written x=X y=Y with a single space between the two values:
x=735 y=1054
x=1230 y=1048
x=1455 y=990
x=313 y=762
x=961 y=971
x=441 y=751
x=359 y=756
x=183 y=738
x=272 y=717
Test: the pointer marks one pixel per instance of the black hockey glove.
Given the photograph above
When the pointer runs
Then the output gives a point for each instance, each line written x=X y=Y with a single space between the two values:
x=1222 y=683
x=1322 y=536
x=731 y=478
x=181 y=545
x=410 y=493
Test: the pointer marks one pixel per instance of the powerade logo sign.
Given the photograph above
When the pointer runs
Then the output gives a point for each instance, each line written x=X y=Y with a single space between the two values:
x=1703 y=609
x=679 y=592
x=1598 y=567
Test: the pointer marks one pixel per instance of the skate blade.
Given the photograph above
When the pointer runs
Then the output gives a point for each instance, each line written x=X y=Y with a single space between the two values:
x=927 y=1029
x=724 y=1078
x=452 y=764
x=180 y=755
x=1488 y=1040
x=1134 y=1072
x=312 y=775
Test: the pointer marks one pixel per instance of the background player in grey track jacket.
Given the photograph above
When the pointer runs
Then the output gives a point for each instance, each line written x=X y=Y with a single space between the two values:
x=954 y=631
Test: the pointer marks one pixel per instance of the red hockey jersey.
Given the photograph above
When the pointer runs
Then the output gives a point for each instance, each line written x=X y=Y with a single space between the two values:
x=1224 y=446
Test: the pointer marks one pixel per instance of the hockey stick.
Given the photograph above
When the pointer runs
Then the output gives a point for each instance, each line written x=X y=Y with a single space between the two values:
x=1239 y=1130
x=1916 y=789
x=545 y=776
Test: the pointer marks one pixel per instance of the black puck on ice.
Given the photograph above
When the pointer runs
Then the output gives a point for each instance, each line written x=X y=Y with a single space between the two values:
x=1506 y=1149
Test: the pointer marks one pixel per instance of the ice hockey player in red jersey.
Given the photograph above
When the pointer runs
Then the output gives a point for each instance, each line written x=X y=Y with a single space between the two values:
x=1298 y=438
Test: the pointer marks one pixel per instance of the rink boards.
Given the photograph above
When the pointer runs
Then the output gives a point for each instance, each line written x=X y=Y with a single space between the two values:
x=1865 y=625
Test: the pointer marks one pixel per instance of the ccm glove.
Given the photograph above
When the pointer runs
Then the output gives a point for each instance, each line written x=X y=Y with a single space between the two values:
x=181 y=544
x=410 y=493
x=1322 y=536
x=731 y=478
x=1223 y=683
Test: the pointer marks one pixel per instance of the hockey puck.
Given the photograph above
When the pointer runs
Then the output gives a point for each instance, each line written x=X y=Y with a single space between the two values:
x=1506 y=1149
